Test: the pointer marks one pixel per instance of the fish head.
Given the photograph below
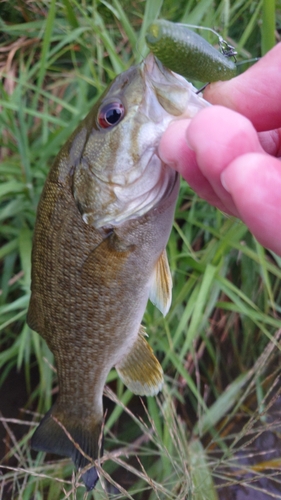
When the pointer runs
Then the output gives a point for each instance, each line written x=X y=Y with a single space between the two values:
x=118 y=174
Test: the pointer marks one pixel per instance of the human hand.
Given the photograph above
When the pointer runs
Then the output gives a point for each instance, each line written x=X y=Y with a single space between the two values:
x=228 y=153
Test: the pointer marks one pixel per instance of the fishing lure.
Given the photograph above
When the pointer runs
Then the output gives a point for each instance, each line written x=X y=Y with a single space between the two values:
x=187 y=53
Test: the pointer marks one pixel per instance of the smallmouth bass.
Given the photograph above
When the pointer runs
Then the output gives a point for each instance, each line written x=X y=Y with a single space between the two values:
x=103 y=222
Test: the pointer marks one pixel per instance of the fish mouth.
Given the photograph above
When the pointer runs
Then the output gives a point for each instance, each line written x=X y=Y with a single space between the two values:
x=172 y=91
x=148 y=64
x=151 y=66
x=177 y=96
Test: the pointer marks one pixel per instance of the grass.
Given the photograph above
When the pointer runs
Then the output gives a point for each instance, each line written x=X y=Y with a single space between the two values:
x=219 y=344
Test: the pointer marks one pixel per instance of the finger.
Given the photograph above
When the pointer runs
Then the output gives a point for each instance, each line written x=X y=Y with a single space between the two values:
x=256 y=93
x=174 y=151
x=271 y=142
x=254 y=182
x=218 y=136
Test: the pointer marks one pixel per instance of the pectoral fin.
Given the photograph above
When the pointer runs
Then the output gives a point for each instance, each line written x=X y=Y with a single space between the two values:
x=140 y=371
x=161 y=287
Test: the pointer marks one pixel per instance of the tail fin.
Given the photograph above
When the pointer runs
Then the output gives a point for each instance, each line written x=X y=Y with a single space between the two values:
x=53 y=438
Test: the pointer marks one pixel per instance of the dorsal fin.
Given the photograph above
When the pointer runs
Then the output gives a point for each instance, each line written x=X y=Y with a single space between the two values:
x=160 y=292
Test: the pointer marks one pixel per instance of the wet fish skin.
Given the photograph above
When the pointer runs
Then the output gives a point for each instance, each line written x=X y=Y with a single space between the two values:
x=99 y=254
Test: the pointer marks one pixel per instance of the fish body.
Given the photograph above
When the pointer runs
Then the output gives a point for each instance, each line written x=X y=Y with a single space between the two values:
x=103 y=222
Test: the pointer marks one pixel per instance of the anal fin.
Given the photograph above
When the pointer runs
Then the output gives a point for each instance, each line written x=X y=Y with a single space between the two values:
x=160 y=292
x=140 y=370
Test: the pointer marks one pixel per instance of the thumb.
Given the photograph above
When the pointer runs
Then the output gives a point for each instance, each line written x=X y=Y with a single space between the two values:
x=255 y=94
x=254 y=182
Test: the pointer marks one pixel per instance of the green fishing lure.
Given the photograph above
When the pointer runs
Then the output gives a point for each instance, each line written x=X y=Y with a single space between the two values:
x=187 y=53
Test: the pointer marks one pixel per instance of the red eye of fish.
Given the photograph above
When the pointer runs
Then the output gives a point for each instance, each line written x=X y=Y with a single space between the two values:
x=110 y=114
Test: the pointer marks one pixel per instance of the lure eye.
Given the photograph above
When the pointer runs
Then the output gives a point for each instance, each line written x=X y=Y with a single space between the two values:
x=110 y=114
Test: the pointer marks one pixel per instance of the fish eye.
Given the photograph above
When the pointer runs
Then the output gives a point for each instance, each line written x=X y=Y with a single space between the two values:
x=110 y=114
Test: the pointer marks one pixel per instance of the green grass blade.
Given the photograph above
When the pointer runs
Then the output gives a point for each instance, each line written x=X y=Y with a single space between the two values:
x=222 y=406
x=203 y=485
x=120 y=13
x=268 y=26
x=200 y=305
x=152 y=11
x=251 y=25
x=70 y=14
x=46 y=42
x=196 y=15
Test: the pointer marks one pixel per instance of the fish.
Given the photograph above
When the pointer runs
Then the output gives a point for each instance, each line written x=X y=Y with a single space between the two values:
x=99 y=253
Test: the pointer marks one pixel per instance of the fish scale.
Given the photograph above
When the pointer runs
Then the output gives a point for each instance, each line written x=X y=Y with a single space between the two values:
x=97 y=257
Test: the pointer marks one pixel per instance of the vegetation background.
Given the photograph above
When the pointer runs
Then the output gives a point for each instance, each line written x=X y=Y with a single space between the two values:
x=214 y=431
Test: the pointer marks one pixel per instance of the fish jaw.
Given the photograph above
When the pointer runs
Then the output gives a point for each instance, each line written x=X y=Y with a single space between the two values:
x=177 y=96
x=120 y=175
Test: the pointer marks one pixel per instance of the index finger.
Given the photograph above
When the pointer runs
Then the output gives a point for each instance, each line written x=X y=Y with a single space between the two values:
x=255 y=94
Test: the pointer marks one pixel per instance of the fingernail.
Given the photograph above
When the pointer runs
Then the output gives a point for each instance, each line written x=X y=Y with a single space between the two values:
x=187 y=141
x=224 y=182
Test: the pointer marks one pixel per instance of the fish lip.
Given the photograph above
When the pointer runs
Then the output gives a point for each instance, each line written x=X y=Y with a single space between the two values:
x=172 y=91
x=151 y=66
x=151 y=69
x=148 y=64
x=176 y=95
